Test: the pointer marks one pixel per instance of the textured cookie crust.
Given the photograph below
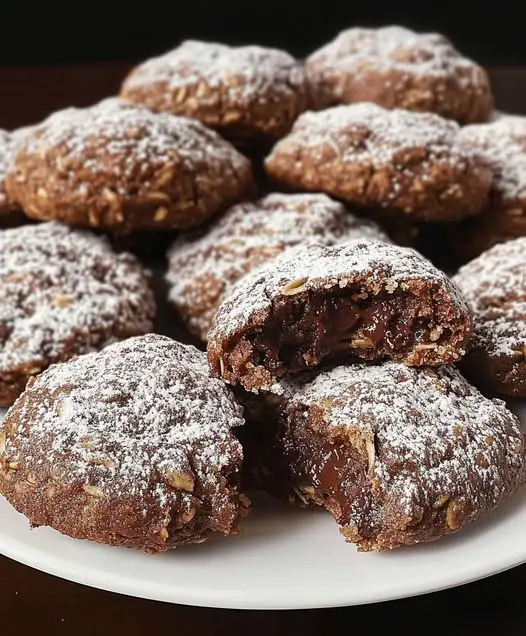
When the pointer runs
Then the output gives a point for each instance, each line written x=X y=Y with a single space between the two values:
x=130 y=446
x=252 y=95
x=203 y=268
x=494 y=284
x=63 y=292
x=124 y=168
x=397 y=455
x=502 y=144
x=364 y=299
x=8 y=208
x=398 y=68
x=412 y=164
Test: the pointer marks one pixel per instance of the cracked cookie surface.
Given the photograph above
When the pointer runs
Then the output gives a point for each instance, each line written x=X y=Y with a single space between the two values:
x=64 y=292
x=250 y=94
x=130 y=446
x=398 y=68
x=502 y=145
x=123 y=168
x=494 y=284
x=412 y=165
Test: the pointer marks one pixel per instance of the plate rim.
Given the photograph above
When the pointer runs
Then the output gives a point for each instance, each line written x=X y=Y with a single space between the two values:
x=92 y=576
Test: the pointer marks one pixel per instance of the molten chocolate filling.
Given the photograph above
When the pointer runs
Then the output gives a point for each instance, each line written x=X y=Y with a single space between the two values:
x=322 y=327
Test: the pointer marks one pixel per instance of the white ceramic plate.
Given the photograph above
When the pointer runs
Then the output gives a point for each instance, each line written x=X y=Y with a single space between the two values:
x=285 y=559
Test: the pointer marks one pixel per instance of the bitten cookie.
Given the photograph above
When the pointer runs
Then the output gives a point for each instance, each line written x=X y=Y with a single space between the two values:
x=203 y=268
x=124 y=168
x=63 y=292
x=363 y=299
x=398 y=68
x=397 y=455
x=413 y=164
x=250 y=94
x=131 y=446
x=502 y=144
x=494 y=284
x=9 y=210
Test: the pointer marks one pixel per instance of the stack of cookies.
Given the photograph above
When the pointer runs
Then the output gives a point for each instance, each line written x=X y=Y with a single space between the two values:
x=291 y=196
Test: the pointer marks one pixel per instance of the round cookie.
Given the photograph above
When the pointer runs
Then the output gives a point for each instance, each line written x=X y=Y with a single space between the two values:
x=63 y=292
x=363 y=299
x=250 y=94
x=494 y=284
x=412 y=164
x=123 y=168
x=131 y=446
x=202 y=269
x=9 y=210
x=502 y=143
x=397 y=455
x=398 y=68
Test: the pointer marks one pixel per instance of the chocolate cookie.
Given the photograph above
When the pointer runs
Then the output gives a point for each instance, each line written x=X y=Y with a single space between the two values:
x=502 y=144
x=130 y=446
x=9 y=210
x=397 y=455
x=398 y=68
x=63 y=292
x=124 y=168
x=363 y=299
x=412 y=164
x=494 y=284
x=203 y=268
x=250 y=94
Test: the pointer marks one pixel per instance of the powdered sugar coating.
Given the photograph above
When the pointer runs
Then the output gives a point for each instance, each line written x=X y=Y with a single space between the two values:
x=130 y=446
x=148 y=408
x=386 y=267
x=6 y=156
x=131 y=137
x=436 y=442
x=256 y=69
x=419 y=71
x=502 y=143
x=64 y=292
x=494 y=284
x=499 y=115
x=397 y=159
x=387 y=133
x=203 y=269
x=116 y=165
x=400 y=48
x=223 y=86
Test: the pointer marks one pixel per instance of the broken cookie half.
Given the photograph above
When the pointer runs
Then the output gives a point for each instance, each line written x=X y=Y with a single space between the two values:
x=361 y=300
x=397 y=455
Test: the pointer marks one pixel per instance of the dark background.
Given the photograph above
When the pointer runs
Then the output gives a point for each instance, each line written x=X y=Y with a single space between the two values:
x=54 y=32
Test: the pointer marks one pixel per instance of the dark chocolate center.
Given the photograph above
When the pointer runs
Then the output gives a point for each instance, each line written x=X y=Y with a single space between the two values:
x=316 y=328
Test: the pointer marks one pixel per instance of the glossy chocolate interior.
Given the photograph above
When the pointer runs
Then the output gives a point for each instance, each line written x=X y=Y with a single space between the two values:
x=313 y=328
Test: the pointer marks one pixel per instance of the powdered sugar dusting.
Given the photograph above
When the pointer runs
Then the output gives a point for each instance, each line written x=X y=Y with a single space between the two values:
x=62 y=292
x=203 y=268
x=6 y=156
x=436 y=438
x=502 y=143
x=244 y=72
x=127 y=419
x=375 y=139
x=494 y=284
x=126 y=143
x=384 y=134
x=385 y=266
x=395 y=48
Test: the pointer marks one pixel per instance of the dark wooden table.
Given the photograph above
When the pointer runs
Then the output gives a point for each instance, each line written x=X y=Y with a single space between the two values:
x=32 y=602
